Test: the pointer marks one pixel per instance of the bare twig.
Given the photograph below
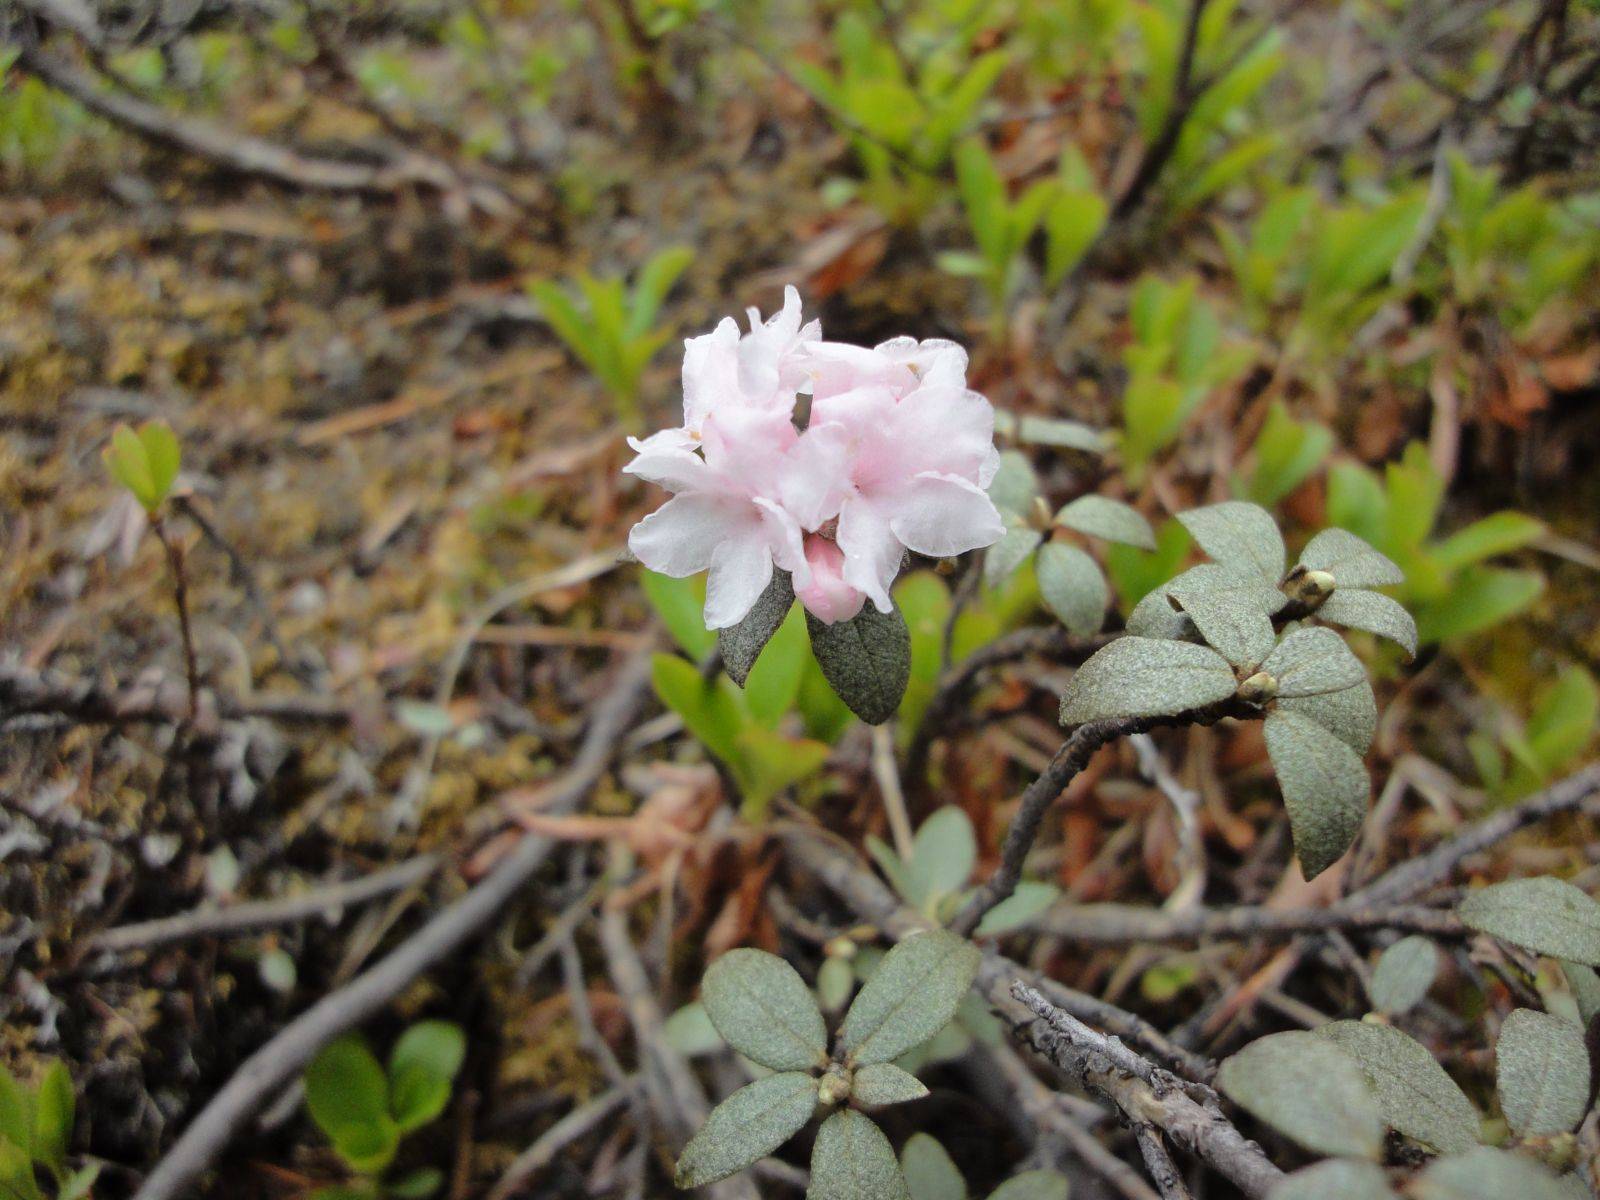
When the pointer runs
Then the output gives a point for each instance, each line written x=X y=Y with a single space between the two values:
x=252 y=916
x=293 y=1046
x=1161 y=147
x=1073 y=756
x=152 y=701
x=1117 y=923
x=542 y=1152
x=887 y=773
x=1158 y=1161
x=180 y=597
x=1143 y=1093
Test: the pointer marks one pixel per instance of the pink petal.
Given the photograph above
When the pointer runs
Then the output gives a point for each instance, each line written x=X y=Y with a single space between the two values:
x=815 y=476
x=828 y=597
x=783 y=536
x=944 y=429
x=872 y=553
x=680 y=537
x=741 y=568
x=944 y=515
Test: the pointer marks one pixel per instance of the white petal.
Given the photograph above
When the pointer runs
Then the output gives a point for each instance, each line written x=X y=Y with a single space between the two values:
x=944 y=515
x=784 y=540
x=679 y=538
x=945 y=429
x=815 y=477
x=710 y=372
x=872 y=553
x=741 y=568
x=676 y=470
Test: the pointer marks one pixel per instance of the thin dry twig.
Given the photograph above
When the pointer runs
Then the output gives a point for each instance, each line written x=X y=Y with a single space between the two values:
x=276 y=1063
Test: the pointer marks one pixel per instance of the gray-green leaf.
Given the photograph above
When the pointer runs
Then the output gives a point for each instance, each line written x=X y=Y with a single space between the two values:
x=748 y=1125
x=1310 y=662
x=742 y=644
x=1351 y=714
x=1543 y=914
x=1051 y=431
x=690 y=1032
x=910 y=997
x=1146 y=677
x=1404 y=974
x=1308 y=1089
x=866 y=660
x=1336 y=1179
x=1112 y=520
x=1351 y=562
x=1014 y=484
x=930 y=1173
x=1542 y=1073
x=1003 y=558
x=942 y=855
x=1373 y=612
x=1484 y=1173
x=852 y=1160
x=1025 y=903
x=1073 y=588
x=1154 y=617
x=1032 y=1185
x=1414 y=1094
x=877 y=1084
x=836 y=979
x=1585 y=990
x=1240 y=535
x=1325 y=788
x=1226 y=608
x=764 y=1010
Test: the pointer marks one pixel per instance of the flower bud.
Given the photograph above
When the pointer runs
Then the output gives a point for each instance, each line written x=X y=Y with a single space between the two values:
x=1258 y=689
x=835 y=1086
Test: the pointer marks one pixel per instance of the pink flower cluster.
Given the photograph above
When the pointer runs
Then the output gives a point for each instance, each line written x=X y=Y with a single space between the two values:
x=895 y=456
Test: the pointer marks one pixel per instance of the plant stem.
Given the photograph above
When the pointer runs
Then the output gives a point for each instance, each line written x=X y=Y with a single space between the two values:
x=180 y=595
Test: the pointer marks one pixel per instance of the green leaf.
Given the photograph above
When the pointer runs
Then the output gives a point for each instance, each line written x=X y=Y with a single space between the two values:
x=742 y=643
x=773 y=686
x=128 y=463
x=1414 y=1094
x=1498 y=533
x=747 y=1126
x=1233 y=612
x=690 y=1032
x=1033 y=1185
x=1542 y=1073
x=1102 y=517
x=417 y=1096
x=650 y=288
x=1308 y=1089
x=1484 y=1173
x=680 y=603
x=16 y=1112
x=1336 y=1179
x=1325 y=788
x=1071 y=223
x=78 y=1184
x=1136 y=574
x=1543 y=914
x=1001 y=560
x=17 y=1181
x=416 y=1185
x=1240 y=535
x=1564 y=721
x=1072 y=588
x=1479 y=598
x=346 y=1086
x=910 y=997
x=53 y=1108
x=764 y=1010
x=882 y=1083
x=930 y=1174
x=368 y=1147
x=1350 y=560
x=1405 y=972
x=1351 y=714
x=1286 y=452
x=866 y=660
x=852 y=1160
x=438 y=1047
x=943 y=854
x=162 y=455
x=1144 y=677
x=1313 y=662
x=1373 y=612
x=1025 y=903
x=711 y=712
x=769 y=762
x=1014 y=485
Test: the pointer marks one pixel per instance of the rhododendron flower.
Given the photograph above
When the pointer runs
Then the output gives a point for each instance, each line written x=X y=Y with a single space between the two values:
x=896 y=457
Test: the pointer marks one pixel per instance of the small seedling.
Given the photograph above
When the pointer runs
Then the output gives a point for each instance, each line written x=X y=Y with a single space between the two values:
x=35 y=1134
x=366 y=1109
